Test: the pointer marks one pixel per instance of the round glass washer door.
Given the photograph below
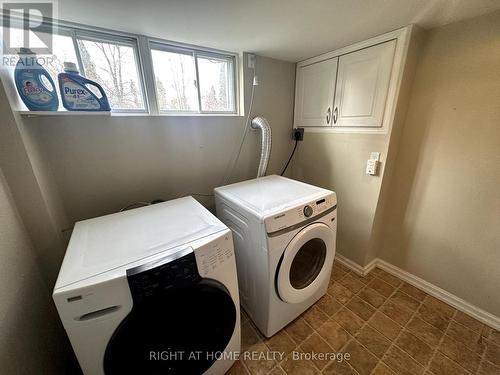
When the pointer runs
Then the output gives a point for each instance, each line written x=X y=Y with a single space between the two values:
x=306 y=263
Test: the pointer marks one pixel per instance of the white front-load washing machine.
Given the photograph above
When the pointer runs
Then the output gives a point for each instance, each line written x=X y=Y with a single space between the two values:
x=151 y=291
x=284 y=235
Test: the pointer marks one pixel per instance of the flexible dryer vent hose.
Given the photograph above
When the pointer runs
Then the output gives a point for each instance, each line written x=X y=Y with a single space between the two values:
x=265 y=150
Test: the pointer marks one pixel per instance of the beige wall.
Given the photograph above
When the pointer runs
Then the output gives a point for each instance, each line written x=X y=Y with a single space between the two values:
x=337 y=161
x=32 y=186
x=31 y=340
x=101 y=164
x=442 y=214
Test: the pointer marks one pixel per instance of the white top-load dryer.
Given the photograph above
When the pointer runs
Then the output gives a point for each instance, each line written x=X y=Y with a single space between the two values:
x=284 y=235
x=151 y=290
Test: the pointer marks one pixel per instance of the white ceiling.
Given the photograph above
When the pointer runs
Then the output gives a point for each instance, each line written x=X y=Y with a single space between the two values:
x=284 y=29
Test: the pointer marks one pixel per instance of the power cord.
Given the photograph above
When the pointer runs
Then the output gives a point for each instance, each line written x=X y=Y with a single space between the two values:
x=290 y=158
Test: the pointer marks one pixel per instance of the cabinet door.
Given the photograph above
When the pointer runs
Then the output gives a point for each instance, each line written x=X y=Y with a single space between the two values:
x=314 y=93
x=362 y=85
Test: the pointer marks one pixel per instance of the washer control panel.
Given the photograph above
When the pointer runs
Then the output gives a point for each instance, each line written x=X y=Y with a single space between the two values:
x=157 y=281
x=300 y=213
x=214 y=255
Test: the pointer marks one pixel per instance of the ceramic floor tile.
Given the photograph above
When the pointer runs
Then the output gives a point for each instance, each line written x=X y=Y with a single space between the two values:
x=334 y=334
x=343 y=267
x=459 y=353
x=328 y=305
x=416 y=293
x=381 y=287
x=468 y=321
x=316 y=344
x=405 y=301
x=298 y=366
x=315 y=317
x=415 y=347
x=401 y=363
x=237 y=369
x=349 y=321
x=351 y=283
x=488 y=368
x=361 y=359
x=439 y=306
x=492 y=353
x=382 y=323
x=424 y=331
x=433 y=317
x=339 y=368
x=337 y=274
x=249 y=336
x=374 y=341
x=382 y=369
x=469 y=338
x=360 y=308
x=281 y=342
x=299 y=330
x=374 y=298
x=277 y=371
x=494 y=336
x=387 y=326
x=364 y=279
x=395 y=312
x=442 y=365
x=387 y=277
x=340 y=293
x=257 y=362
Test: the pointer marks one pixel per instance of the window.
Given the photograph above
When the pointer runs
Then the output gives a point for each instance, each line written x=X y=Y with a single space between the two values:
x=175 y=80
x=62 y=50
x=193 y=81
x=113 y=64
x=180 y=79
x=216 y=83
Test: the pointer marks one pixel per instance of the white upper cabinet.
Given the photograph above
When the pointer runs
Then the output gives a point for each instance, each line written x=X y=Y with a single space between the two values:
x=314 y=94
x=362 y=85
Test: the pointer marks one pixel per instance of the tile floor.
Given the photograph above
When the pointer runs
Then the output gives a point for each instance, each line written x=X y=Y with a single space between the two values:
x=387 y=326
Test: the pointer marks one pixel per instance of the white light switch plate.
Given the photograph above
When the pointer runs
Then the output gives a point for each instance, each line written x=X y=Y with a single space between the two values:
x=372 y=167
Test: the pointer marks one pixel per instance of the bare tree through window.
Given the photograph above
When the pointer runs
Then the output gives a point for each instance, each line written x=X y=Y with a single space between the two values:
x=113 y=66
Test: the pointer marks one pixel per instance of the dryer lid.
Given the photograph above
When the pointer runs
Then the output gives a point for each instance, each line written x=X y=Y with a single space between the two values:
x=112 y=241
x=267 y=195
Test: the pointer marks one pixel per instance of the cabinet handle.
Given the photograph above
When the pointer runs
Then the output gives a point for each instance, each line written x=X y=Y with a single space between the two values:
x=328 y=115
x=335 y=115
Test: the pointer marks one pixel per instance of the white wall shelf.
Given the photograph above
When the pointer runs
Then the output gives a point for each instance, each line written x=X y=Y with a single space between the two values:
x=63 y=113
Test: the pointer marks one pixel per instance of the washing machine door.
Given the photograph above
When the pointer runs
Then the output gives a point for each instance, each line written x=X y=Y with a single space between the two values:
x=178 y=324
x=306 y=263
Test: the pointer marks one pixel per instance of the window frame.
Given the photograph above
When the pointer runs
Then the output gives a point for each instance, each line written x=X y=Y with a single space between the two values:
x=167 y=46
x=126 y=41
x=142 y=46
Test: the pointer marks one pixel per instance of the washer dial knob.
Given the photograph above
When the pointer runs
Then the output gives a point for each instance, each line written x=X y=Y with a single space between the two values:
x=308 y=211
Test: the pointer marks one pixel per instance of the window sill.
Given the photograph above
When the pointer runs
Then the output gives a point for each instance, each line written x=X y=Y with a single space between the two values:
x=63 y=113
x=122 y=114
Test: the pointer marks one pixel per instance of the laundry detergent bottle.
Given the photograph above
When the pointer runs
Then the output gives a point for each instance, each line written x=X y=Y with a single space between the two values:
x=76 y=93
x=34 y=84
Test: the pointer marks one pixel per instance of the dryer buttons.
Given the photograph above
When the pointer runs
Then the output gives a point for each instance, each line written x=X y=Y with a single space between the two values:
x=308 y=211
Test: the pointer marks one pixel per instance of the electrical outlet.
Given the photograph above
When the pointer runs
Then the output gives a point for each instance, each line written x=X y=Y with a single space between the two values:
x=298 y=134
x=251 y=60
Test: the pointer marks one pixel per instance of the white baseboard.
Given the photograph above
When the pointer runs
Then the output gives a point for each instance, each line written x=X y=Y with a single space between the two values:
x=431 y=289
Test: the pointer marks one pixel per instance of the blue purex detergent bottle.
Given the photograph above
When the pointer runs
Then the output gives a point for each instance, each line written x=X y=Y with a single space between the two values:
x=34 y=84
x=75 y=92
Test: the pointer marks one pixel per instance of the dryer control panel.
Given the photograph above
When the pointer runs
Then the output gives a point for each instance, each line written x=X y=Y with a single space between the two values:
x=301 y=213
